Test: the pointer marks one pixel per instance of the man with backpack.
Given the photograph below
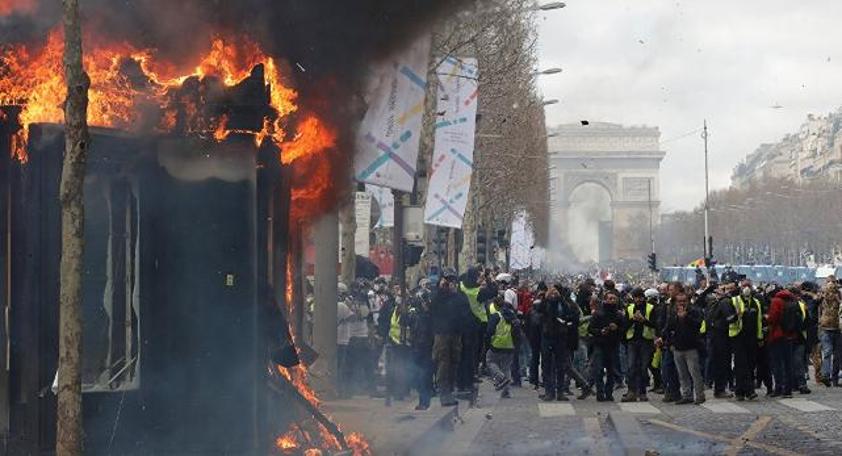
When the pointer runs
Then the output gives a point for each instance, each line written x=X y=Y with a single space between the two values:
x=503 y=334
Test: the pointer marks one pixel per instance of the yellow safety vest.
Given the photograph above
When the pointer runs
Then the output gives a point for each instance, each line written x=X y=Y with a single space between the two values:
x=502 y=338
x=648 y=332
x=735 y=327
x=395 y=327
x=742 y=307
x=803 y=306
x=476 y=307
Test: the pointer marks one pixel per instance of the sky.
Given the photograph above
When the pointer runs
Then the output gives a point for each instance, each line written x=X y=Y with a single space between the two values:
x=672 y=64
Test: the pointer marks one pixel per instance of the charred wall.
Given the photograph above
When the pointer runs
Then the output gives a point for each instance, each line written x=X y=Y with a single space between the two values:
x=172 y=232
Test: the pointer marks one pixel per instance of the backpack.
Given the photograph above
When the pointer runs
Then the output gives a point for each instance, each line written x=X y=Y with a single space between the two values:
x=791 y=321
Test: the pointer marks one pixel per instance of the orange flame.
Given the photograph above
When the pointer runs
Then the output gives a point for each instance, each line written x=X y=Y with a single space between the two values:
x=34 y=79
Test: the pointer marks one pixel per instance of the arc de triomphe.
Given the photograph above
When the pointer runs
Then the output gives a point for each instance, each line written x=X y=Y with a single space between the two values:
x=625 y=162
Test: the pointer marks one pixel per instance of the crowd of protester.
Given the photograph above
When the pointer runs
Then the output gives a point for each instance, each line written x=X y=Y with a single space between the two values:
x=673 y=340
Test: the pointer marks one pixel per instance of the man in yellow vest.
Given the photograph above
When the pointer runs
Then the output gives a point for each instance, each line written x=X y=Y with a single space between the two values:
x=478 y=292
x=502 y=333
x=640 y=336
x=746 y=332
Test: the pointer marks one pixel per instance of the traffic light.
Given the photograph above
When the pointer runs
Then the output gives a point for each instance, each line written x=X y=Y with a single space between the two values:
x=653 y=262
x=481 y=246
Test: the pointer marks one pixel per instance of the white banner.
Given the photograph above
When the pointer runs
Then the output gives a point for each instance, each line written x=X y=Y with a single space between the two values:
x=453 y=156
x=386 y=202
x=362 y=208
x=388 y=137
x=522 y=242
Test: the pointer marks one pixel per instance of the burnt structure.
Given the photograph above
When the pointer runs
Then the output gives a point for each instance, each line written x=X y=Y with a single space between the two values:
x=184 y=277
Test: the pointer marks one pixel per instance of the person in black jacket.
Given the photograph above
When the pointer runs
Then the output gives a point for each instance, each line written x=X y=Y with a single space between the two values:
x=533 y=333
x=450 y=315
x=421 y=341
x=681 y=333
x=559 y=318
x=721 y=313
x=605 y=327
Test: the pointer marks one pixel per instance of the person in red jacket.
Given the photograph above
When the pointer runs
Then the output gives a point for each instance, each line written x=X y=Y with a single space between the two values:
x=780 y=342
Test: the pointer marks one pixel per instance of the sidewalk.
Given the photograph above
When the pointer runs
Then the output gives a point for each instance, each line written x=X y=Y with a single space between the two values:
x=395 y=430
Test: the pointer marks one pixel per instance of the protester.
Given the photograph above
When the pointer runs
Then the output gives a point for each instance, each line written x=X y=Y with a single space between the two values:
x=831 y=343
x=604 y=328
x=451 y=318
x=681 y=333
x=640 y=337
x=502 y=333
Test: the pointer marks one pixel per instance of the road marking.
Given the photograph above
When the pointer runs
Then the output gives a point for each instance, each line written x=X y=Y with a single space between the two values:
x=753 y=431
x=768 y=448
x=724 y=407
x=640 y=408
x=805 y=405
x=594 y=430
x=552 y=410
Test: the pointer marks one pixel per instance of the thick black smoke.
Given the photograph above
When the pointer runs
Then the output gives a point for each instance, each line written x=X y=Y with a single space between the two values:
x=335 y=38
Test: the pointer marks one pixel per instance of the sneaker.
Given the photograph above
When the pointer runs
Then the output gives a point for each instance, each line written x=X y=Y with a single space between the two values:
x=684 y=401
x=628 y=398
x=504 y=383
x=643 y=398
x=505 y=394
x=561 y=398
x=804 y=390
x=723 y=395
x=585 y=394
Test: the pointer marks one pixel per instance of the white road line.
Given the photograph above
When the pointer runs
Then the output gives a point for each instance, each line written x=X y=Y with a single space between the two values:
x=641 y=408
x=805 y=405
x=594 y=430
x=724 y=407
x=552 y=410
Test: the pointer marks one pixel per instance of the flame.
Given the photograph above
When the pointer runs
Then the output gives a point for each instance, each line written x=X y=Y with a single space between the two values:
x=221 y=133
x=313 y=137
x=34 y=79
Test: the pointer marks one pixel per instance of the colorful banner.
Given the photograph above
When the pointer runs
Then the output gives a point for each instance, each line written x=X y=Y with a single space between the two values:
x=386 y=203
x=388 y=138
x=453 y=156
x=522 y=244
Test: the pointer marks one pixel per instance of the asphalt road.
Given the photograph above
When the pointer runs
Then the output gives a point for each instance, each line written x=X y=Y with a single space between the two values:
x=805 y=425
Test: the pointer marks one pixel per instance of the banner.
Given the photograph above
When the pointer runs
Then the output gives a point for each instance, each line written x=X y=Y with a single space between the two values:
x=453 y=156
x=386 y=203
x=522 y=244
x=362 y=209
x=388 y=138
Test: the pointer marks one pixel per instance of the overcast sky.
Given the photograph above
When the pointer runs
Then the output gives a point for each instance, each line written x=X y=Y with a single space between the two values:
x=672 y=64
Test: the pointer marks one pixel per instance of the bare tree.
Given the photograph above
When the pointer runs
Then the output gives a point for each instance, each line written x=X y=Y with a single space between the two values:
x=69 y=420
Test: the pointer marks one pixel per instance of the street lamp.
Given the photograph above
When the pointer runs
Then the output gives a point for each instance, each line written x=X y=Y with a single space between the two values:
x=550 y=6
x=547 y=71
x=550 y=102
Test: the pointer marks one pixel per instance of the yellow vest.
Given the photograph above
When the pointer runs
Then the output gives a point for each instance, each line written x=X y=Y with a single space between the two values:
x=476 y=307
x=735 y=327
x=648 y=332
x=803 y=307
x=395 y=327
x=756 y=303
x=502 y=338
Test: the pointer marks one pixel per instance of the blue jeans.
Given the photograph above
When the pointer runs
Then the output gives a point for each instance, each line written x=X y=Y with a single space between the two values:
x=604 y=368
x=781 y=354
x=669 y=374
x=831 y=351
x=639 y=358
x=799 y=365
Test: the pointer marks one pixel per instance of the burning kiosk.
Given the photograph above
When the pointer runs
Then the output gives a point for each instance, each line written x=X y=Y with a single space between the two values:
x=185 y=276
